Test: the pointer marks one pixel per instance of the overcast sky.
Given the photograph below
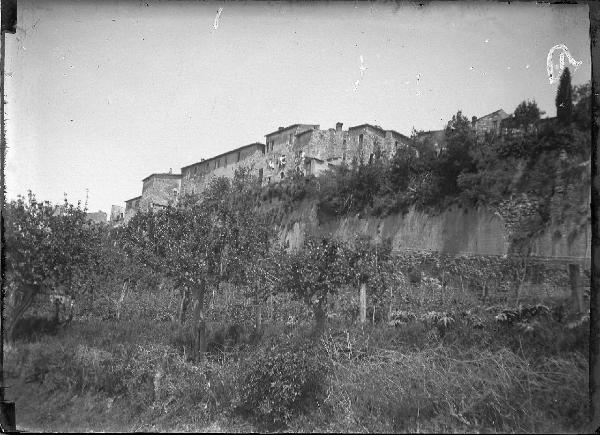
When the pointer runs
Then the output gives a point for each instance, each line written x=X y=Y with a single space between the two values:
x=102 y=94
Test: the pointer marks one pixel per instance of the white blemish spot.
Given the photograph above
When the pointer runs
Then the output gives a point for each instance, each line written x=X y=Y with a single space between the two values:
x=362 y=68
x=527 y=66
x=216 y=23
x=472 y=68
x=550 y=66
x=507 y=67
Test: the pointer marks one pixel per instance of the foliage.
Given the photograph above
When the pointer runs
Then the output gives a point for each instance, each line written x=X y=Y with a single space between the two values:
x=284 y=380
x=527 y=113
x=564 y=98
x=49 y=248
x=312 y=273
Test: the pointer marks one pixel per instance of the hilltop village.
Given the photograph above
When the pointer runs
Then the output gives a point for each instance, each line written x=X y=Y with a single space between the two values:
x=299 y=147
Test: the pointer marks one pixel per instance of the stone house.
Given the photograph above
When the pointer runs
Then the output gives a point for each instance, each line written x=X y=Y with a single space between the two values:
x=116 y=214
x=159 y=190
x=489 y=123
x=132 y=206
x=302 y=147
x=366 y=140
x=99 y=217
x=280 y=152
x=194 y=177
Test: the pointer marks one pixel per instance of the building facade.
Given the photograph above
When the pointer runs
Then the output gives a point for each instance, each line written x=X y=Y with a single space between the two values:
x=195 y=177
x=490 y=123
x=159 y=191
x=98 y=217
x=132 y=206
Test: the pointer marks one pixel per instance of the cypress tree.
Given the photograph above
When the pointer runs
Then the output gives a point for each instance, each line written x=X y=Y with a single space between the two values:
x=564 y=98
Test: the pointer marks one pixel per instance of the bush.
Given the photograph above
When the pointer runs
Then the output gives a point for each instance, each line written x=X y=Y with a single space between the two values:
x=283 y=380
x=466 y=391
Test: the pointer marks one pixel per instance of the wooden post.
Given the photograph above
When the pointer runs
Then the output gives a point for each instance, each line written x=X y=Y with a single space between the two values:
x=363 y=303
x=576 y=296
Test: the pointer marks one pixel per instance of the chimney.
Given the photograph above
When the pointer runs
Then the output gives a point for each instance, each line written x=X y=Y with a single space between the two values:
x=388 y=134
x=170 y=170
x=473 y=121
x=338 y=126
x=280 y=128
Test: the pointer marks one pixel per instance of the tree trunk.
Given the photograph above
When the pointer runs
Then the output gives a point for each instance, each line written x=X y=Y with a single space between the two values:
x=363 y=303
x=576 y=296
x=319 y=320
x=120 y=301
x=200 y=343
x=185 y=300
x=485 y=292
x=28 y=293
x=257 y=312
x=391 y=303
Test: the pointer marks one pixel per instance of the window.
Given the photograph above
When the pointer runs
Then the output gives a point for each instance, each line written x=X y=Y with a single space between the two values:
x=282 y=175
x=396 y=145
x=239 y=156
x=360 y=140
x=291 y=139
x=371 y=158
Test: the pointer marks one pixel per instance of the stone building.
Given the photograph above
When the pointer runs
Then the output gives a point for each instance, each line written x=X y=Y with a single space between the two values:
x=194 y=177
x=489 y=123
x=116 y=214
x=366 y=141
x=98 y=217
x=159 y=190
x=132 y=206
x=302 y=147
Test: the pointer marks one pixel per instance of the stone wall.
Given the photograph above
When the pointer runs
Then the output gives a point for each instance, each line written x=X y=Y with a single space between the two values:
x=160 y=190
x=455 y=231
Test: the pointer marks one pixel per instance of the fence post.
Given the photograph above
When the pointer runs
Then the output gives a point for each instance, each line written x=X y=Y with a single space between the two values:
x=363 y=302
x=574 y=279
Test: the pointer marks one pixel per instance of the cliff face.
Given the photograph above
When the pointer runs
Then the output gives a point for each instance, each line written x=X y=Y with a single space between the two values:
x=469 y=231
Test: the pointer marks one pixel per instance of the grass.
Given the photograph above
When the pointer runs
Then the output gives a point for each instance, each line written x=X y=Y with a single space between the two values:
x=101 y=375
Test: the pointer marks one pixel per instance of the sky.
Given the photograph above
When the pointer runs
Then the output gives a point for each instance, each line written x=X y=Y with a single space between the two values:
x=102 y=94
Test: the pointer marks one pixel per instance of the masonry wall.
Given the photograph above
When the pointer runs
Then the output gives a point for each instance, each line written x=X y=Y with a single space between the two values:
x=457 y=231
x=159 y=190
x=487 y=123
x=281 y=140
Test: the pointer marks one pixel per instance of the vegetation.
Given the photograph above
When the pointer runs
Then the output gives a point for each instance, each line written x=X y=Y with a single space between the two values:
x=329 y=335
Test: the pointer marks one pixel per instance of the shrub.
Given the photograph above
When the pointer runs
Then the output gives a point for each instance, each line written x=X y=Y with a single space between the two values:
x=467 y=391
x=283 y=380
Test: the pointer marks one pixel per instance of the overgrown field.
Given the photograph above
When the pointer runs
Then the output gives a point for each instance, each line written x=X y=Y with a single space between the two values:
x=468 y=368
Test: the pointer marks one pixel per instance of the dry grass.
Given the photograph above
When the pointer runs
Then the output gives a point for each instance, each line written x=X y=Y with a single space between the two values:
x=438 y=389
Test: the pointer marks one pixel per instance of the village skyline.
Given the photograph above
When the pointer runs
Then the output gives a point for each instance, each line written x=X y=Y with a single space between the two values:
x=128 y=90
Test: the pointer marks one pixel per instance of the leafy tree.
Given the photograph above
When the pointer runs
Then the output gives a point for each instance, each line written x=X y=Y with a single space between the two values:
x=527 y=113
x=564 y=98
x=47 y=248
x=312 y=274
x=202 y=242
x=456 y=158
x=582 y=106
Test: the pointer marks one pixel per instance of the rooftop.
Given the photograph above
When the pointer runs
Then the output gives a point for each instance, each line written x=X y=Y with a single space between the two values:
x=279 y=130
x=162 y=175
x=497 y=112
x=223 y=154
x=133 y=199
x=375 y=127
